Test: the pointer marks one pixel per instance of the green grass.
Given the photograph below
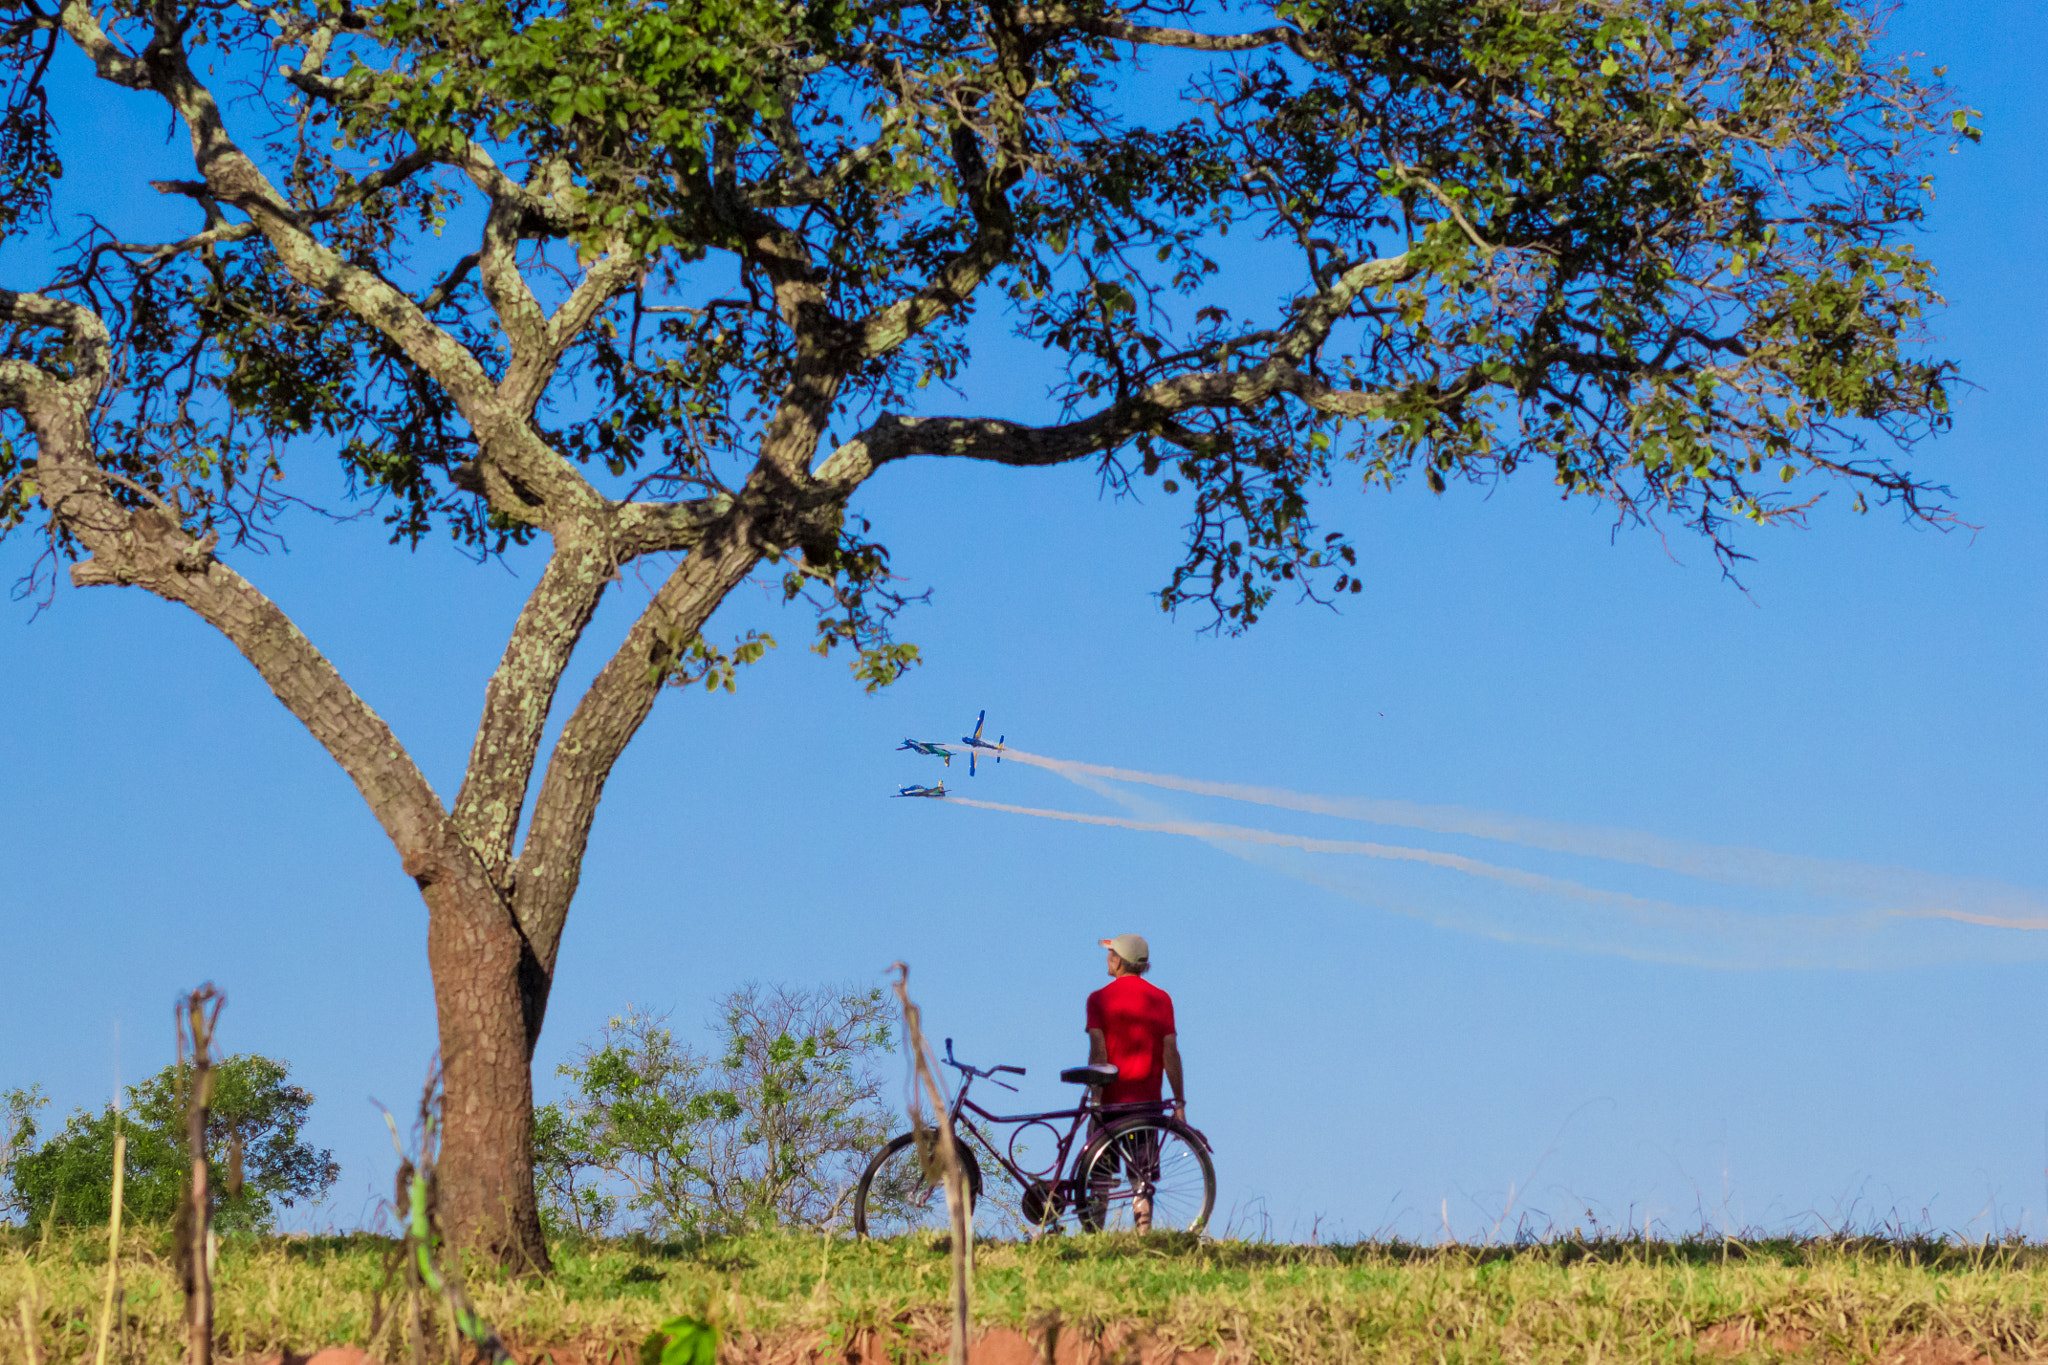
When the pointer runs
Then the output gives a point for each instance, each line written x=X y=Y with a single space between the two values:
x=1564 y=1301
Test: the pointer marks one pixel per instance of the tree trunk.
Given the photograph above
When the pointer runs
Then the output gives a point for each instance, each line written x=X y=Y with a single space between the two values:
x=489 y=996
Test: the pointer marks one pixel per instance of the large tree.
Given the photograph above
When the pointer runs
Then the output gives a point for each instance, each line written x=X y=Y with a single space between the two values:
x=643 y=281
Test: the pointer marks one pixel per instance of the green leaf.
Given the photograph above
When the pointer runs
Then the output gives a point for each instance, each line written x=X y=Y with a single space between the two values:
x=691 y=1341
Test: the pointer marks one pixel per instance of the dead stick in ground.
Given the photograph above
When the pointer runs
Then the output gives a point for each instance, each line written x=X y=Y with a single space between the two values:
x=949 y=1158
x=201 y=1012
x=28 y=1333
x=99 y=1355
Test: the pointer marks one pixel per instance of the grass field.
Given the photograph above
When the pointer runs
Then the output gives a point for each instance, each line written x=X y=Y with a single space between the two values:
x=783 y=1297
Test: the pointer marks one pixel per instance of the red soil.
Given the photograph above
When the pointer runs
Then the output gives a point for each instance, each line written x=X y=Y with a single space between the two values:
x=923 y=1336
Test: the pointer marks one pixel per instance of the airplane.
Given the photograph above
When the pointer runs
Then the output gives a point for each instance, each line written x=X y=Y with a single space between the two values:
x=937 y=793
x=928 y=746
x=975 y=741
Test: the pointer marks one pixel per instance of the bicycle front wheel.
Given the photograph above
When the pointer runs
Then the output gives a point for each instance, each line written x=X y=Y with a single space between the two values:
x=1144 y=1174
x=901 y=1191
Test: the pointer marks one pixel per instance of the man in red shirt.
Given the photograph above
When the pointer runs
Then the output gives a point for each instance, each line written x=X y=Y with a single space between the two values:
x=1130 y=1023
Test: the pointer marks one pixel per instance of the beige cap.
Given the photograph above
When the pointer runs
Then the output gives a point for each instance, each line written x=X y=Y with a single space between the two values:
x=1131 y=948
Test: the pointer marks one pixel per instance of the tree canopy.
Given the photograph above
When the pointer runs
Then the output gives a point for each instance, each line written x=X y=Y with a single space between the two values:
x=662 y=282
x=256 y=1159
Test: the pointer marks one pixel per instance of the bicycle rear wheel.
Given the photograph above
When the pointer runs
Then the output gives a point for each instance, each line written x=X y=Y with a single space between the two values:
x=896 y=1196
x=1144 y=1174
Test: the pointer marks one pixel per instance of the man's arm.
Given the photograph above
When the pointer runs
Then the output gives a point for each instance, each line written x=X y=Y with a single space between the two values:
x=1098 y=1052
x=1172 y=1049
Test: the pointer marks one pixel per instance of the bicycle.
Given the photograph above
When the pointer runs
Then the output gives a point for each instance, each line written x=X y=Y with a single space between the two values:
x=1137 y=1168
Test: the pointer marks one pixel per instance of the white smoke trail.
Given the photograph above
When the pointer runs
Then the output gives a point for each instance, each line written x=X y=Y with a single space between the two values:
x=1196 y=829
x=1909 y=892
x=1534 y=908
x=1645 y=930
x=1970 y=917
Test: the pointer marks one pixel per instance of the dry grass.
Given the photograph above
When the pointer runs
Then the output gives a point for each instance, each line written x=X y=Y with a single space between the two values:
x=1603 y=1304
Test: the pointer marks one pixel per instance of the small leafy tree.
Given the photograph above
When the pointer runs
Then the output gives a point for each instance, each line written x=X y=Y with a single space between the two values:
x=17 y=1138
x=772 y=1131
x=800 y=1065
x=257 y=1159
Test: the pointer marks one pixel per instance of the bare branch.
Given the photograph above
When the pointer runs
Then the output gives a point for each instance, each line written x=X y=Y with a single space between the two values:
x=1149 y=35
x=445 y=288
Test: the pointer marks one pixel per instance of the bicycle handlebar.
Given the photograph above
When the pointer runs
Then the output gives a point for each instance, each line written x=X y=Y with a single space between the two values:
x=967 y=1070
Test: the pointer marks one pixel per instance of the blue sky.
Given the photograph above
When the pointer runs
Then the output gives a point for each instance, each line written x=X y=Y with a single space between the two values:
x=1362 y=1065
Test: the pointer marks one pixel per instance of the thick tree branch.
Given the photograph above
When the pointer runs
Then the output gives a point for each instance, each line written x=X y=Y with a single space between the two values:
x=539 y=208
x=894 y=437
x=503 y=432
x=504 y=284
x=112 y=63
x=148 y=547
x=954 y=282
x=521 y=692
x=88 y=347
x=605 y=721
x=534 y=362
x=823 y=357
x=952 y=285
x=1150 y=35
x=645 y=528
x=445 y=288
x=1311 y=326
x=807 y=188
x=520 y=695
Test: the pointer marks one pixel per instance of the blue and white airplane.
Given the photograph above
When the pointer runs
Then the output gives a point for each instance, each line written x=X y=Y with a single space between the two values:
x=975 y=741
x=928 y=746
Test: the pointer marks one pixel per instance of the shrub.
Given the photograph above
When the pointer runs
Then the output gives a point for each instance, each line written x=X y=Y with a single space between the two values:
x=772 y=1131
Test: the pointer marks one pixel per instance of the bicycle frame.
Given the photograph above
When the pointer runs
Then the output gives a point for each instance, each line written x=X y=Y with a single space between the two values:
x=1055 y=1180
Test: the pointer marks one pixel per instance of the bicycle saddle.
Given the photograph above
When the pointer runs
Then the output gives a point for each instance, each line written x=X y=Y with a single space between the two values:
x=1095 y=1073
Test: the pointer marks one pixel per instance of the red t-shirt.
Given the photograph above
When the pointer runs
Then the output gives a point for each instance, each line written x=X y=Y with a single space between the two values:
x=1135 y=1016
